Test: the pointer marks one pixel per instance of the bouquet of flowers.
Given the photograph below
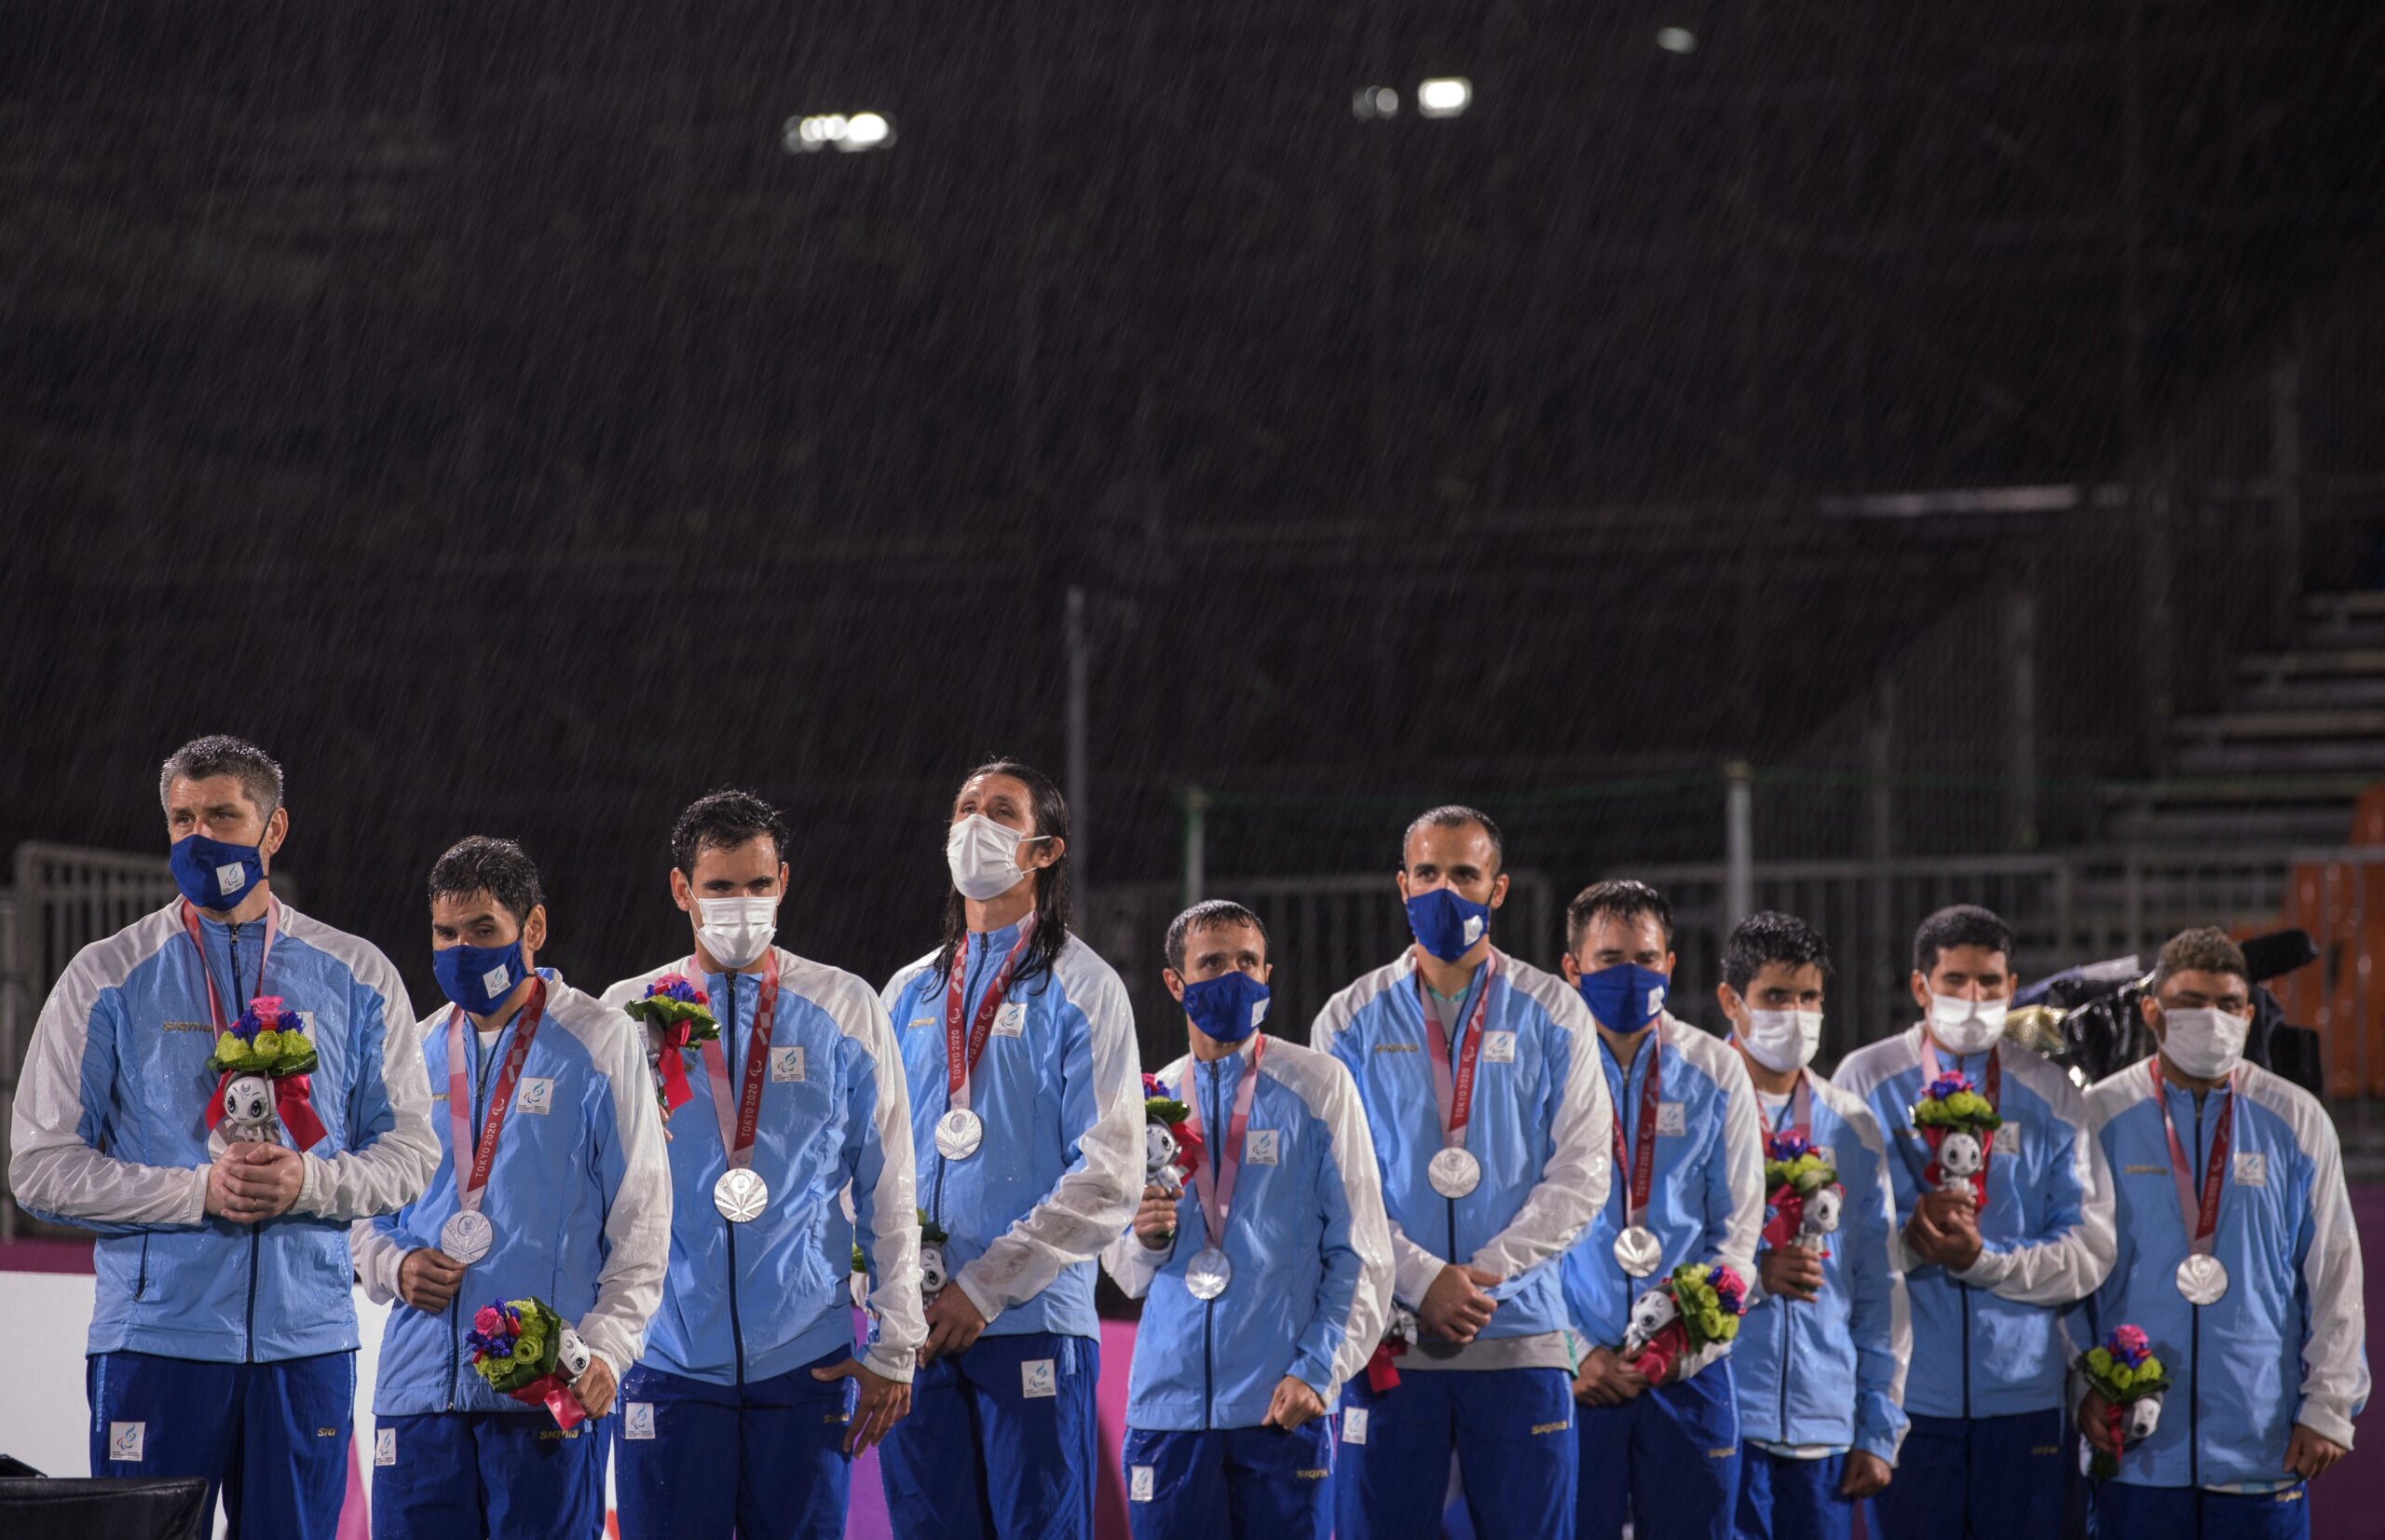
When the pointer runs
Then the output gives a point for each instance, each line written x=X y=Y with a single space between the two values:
x=678 y=1016
x=2123 y=1370
x=524 y=1350
x=1171 y=1151
x=1695 y=1306
x=263 y=1059
x=1960 y=1126
x=1803 y=1207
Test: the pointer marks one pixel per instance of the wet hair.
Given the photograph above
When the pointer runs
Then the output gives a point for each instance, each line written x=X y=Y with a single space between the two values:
x=1051 y=882
x=1618 y=898
x=2205 y=950
x=220 y=754
x=1962 y=925
x=1202 y=915
x=722 y=821
x=497 y=868
x=1456 y=815
x=1770 y=936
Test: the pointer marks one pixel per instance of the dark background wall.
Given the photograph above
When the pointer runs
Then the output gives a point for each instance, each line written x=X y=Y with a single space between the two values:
x=482 y=410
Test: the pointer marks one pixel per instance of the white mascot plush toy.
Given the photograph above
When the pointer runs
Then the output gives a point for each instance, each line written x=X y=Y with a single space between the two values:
x=248 y=1111
x=1820 y=1220
x=1651 y=1312
x=1959 y=1159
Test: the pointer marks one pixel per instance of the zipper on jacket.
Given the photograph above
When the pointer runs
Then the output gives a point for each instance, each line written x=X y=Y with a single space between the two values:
x=141 y=1286
x=256 y=1237
x=729 y=1031
x=1218 y=1131
x=1788 y=1350
x=2194 y=1336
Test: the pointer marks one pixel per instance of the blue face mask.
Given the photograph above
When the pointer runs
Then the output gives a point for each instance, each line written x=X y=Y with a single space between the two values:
x=1446 y=922
x=478 y=977
x=213 y=875
x=1626 y=997
x=1229 y=1007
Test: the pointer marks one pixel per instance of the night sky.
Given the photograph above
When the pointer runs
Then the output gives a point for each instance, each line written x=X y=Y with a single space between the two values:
x=481 y=409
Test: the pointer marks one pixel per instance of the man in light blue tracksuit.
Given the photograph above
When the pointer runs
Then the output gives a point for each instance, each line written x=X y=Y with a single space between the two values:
x=740 y=1417
x=2266 y=1351
x=1688 y=1188
x=224 y=1340
x=1987 y=1282
x=1238 y=1367
x=1819 y=1357
x=1027 y=1112
x=561 y=1159
x=1479 y=1079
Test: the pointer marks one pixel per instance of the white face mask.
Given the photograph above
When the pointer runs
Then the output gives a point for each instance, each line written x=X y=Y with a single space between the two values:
x=1782 y=1040
x=1967 y=1026
x=736 y=930
x=2206 y=1043
x=984 y=857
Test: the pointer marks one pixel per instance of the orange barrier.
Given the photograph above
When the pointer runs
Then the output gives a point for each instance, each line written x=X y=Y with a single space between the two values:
x=2342 y=905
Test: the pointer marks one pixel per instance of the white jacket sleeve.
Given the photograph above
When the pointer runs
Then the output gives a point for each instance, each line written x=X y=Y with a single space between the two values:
x=376 y=1258
x=2335 y=1352
x=53 y=1166
x=1132 y=1266
x=1572 y=1186
x=1094 y=1200
x=884 y=1192
x=2069 y=1254
x=392 y=1150
x=637 y=1213
x=1363 y=1232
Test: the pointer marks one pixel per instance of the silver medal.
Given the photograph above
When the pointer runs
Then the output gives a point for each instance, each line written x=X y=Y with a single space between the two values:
x=2203 y=1278
x=1638 y=1252
x=1207 y=1274
x=741 y=1194
x=959 y=1133
x=467 y=1235
x=1453 y=1172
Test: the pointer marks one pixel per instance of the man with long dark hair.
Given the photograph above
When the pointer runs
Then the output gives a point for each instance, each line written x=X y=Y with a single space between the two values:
x=1027 y=1119
x=739 y=1418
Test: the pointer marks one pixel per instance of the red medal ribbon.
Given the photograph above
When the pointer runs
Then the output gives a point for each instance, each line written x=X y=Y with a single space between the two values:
x=2202 y=1218
x=469 y=1191
x=215 y=1007
x=1214 y=1180
x=1382 y=1372
x=738 y=1130
x=960 y=1054
x=1643 y=1130
x=1454 y=1090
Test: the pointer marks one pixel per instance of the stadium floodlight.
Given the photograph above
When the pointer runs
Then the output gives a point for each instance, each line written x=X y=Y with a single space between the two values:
x=825 y=130
x=1374 y=102
x=1677 y=40
x=1445 y=96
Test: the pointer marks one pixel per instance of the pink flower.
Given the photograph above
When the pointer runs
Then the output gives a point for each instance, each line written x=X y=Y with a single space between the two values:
x=265 y=1007
x=2130 y=1343
x=488 y=1323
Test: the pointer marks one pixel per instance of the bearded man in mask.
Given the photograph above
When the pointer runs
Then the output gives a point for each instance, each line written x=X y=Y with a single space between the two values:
x=1987 y=1279
x=1820 y=1359
x=739 y=1417
x=2238 y=1259
x=1479 y=1073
